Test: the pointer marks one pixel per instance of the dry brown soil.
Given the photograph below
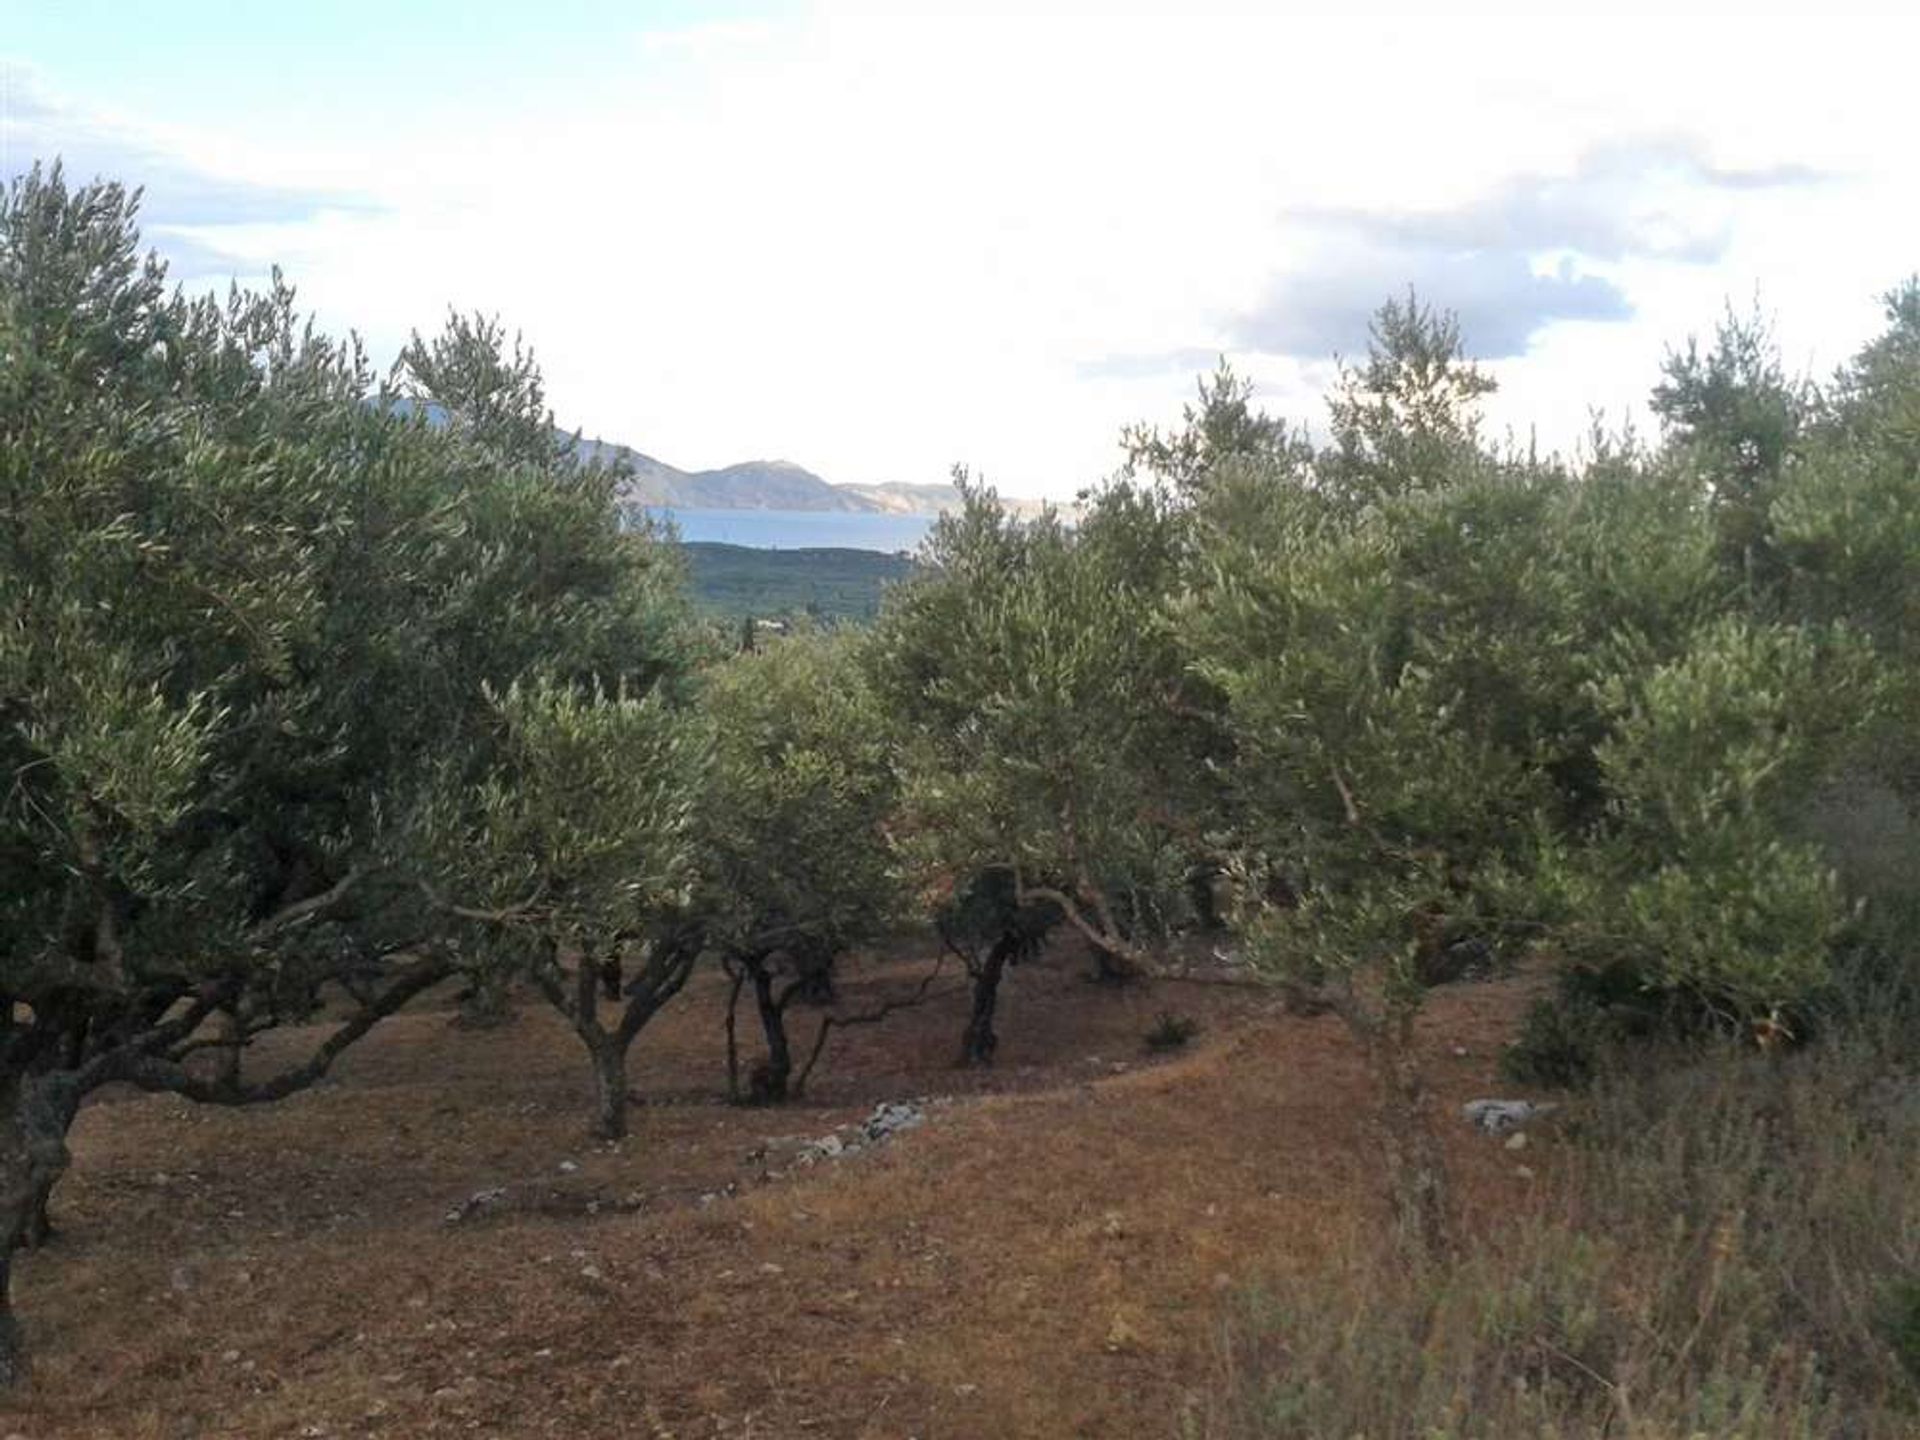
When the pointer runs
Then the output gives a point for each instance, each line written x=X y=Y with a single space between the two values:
x=1049 y=1256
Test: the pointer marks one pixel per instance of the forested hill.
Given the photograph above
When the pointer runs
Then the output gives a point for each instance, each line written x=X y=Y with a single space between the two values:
x=832 y=584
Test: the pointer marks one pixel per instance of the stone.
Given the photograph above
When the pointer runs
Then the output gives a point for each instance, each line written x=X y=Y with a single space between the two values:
x=478 y=1203
x=1502 y=1117
x=889 y=1119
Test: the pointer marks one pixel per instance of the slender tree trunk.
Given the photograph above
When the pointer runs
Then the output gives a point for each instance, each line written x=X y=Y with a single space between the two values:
x=1416 y=1169
x=979 y=1042
x=13 y=1354
x=609 y=1089
x=733 y=1036
x=773 y=1021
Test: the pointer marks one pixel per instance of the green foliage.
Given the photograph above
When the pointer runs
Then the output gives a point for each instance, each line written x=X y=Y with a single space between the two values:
x=258 y=627
x=1696 y=880
x=582 y=829
x=1396 y=681
x=1407 y=419
x=1171 y=1032
x=794 y=817
x=1031 y=677
x=1224 y=426
x=1732 y=418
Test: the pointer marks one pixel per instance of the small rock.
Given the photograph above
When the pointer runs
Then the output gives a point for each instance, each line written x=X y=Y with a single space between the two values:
x=1460 y=1052
x=477 y=1203
x=230 y=1356
x=888 y=1120
x=545 y=1354
x=568 y=1167
x=1122 y=1336
x=1517 y=1140
x=1498 y=1117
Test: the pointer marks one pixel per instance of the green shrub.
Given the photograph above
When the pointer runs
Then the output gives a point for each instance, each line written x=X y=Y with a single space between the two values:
x=1171 y=1032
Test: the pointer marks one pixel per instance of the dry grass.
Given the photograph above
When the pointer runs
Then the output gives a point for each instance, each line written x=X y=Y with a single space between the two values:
x=1732 y=1249
x=1047 y=1258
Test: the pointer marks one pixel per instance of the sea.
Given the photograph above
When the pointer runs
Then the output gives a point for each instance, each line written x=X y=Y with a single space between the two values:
x=800 y=529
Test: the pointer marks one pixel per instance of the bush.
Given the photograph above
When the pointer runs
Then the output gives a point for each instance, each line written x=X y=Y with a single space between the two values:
x=1593 y=1014
x=1171 y=1032
x=1733 y=1249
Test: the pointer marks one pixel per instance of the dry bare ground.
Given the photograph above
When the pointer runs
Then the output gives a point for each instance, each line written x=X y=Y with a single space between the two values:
x=1046 y=1257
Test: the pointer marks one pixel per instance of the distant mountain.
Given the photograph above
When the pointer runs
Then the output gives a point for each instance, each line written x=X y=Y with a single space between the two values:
x=755 y=484
x=751 y=485
x=899 y=498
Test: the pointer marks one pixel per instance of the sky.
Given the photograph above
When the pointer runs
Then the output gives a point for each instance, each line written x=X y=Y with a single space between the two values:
x=879 y=241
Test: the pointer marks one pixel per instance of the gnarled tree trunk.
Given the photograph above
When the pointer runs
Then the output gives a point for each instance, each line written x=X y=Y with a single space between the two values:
x=979 y=1042
x=34 y=1115
x=609 y=1089
x=775 y=1073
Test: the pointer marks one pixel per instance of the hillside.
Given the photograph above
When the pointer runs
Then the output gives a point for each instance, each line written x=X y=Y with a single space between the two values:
x=757 y=484
x=749 y=485
x=778 y=485
x=1043 y=1258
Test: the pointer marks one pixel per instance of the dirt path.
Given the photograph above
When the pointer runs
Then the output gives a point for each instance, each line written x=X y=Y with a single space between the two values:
x=1047 y=1257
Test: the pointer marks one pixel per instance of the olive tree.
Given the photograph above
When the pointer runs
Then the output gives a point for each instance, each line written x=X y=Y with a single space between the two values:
x=1033 y=683
x=249 y=618
x=573 y=854
x=1390 y=632
x=797 y=864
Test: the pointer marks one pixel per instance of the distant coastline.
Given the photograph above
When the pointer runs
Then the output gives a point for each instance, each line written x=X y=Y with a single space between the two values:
x=885 y=533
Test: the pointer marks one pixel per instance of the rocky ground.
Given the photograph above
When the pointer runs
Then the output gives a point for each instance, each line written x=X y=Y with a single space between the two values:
x=428 y=1246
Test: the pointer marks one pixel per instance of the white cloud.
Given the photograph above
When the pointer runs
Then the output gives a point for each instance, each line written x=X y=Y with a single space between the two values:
x=879 y=244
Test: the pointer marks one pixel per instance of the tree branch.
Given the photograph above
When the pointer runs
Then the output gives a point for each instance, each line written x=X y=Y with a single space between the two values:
x=290 y=915
x=870 y=1017
x=1112 y=943
x=153 y=1072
